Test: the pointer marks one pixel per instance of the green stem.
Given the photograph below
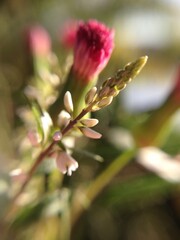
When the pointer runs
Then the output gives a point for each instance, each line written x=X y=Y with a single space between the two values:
x=99 y=183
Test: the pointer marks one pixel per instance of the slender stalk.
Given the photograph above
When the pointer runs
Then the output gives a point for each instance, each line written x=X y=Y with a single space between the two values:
x=99 y=184
x=33 y=168
x=43 y=154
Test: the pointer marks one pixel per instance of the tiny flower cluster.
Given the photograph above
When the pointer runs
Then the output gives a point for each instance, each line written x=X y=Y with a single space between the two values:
x=66 y=117
x=64 y=161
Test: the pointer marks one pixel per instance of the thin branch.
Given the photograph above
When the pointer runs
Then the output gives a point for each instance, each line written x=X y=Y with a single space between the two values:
x=43 y=154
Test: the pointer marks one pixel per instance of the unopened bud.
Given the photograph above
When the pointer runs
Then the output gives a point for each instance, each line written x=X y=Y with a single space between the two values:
x=113 y=92
x=95 y=108
x=68 y=103
x=90 y=122
x=63 y=118
x=88 y=132
x=104 y=92
x=90 y=95
x=105 y=102
x=57 y=136
x=121 y=86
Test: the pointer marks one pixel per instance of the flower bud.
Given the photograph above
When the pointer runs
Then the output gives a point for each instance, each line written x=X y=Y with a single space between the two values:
x=105 y=102
x=90 y=122
x=93 y=48
x=88 y=132
x=63 y=118
x=38 y=41
x=57 y=136
x=68 y=103
x=90 y=95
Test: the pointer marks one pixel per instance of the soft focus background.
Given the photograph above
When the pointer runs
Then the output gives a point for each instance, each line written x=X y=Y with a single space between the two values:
x=137 y=204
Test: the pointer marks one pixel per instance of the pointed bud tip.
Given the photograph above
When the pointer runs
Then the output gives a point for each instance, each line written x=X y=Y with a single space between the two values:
x=141 y=62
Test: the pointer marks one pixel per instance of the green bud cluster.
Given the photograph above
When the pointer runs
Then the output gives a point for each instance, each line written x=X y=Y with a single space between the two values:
x=97 y=99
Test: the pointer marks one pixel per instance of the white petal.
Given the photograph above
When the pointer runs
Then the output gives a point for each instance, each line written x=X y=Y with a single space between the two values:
x=66 y=163
x=61 y=164
x=68 y=103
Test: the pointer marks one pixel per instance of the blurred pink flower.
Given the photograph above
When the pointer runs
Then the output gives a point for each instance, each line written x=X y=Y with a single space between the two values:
x=92 y=49
x=18 y=175
x=68 y=34
x=38 y=41
x=66 y=163
x=34 y=138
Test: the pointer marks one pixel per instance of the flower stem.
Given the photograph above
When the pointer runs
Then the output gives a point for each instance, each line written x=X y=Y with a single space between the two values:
x=99 y=184
x=45 y=153
x=33 y=168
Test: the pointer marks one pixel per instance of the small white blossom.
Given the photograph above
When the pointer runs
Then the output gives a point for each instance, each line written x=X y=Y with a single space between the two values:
x=66 y=163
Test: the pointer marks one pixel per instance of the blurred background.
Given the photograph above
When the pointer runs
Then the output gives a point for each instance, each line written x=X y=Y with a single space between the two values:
x=137 y=204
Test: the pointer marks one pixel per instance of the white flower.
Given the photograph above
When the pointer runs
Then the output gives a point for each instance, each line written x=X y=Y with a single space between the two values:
x=66 y=163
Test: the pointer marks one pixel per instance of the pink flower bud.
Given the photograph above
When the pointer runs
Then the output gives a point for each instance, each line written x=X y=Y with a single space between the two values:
x=38 y=41
x=66 y=163
x=88 y=132
x=57 y=136
x=92 y=50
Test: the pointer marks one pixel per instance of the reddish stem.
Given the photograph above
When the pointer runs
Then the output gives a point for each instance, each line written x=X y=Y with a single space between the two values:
x=46 y=152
